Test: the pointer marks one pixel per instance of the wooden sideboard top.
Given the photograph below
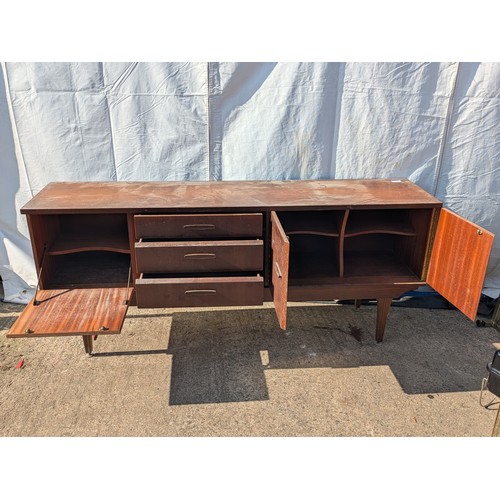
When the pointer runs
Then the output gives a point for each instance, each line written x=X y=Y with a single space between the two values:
x=88 y=197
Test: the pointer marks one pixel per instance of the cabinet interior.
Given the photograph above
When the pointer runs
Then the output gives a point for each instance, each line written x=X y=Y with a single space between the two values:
x=325 y=245
x=89 y=268
x=82 y=249
x=328 y=245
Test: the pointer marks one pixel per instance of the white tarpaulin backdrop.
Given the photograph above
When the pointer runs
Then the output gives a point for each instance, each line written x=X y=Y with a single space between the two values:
x=437 y=124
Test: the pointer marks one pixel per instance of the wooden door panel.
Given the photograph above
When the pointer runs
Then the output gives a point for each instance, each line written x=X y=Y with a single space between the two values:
x=458 y=262
x=85 y=311
x=280 y=259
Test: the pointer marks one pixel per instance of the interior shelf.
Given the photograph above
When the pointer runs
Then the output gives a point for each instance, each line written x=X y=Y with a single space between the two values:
x=65 y=244
x=321 y=222
x=378 y=221
x=73 y=233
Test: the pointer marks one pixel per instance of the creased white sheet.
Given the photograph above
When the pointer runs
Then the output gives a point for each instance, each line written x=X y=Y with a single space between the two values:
x=434 y=123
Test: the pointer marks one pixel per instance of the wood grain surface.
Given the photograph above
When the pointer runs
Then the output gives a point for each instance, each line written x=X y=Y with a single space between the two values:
x=459 y=260
x=73 y=312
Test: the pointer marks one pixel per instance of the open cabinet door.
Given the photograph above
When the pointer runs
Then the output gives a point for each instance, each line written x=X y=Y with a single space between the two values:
x=458 y=261
x=78 y=311
x=280 y=256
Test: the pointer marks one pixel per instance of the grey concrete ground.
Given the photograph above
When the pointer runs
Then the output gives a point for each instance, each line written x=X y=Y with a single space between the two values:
x=233 y=372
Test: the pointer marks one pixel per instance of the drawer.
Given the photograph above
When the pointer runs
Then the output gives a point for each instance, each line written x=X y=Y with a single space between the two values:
x=198 y=226
x=154 y=291
x=199 y=256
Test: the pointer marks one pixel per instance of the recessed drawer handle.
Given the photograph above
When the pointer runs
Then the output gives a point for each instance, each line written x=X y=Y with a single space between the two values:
x=200 y=256
x=199 y=227
x=200 y=292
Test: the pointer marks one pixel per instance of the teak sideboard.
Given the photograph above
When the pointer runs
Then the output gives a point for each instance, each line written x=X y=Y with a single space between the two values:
x=100 y=247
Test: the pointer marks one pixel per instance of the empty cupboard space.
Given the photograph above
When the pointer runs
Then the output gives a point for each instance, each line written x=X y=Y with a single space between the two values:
x=313 y=256
x=82 y=249
x=376 y=255
x=66 y=233
x=386 y=242
x=96 y=268
x=335 y=244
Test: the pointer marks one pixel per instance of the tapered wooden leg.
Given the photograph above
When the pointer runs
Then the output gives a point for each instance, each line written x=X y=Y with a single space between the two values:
x=87 y=344
x=383 y=306
x=357 y=303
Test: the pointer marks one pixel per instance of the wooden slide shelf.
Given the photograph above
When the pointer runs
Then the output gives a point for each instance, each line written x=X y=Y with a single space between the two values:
x=89 y=311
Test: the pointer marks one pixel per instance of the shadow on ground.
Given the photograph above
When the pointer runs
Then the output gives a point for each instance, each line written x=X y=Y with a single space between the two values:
x=222 y=356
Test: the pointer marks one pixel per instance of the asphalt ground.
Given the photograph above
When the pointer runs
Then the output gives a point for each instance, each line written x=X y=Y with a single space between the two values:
x=233 y=372
x=298 y=407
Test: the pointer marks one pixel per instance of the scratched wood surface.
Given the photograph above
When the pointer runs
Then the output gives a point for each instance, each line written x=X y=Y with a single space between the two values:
x=73 y=312
x=88 y=197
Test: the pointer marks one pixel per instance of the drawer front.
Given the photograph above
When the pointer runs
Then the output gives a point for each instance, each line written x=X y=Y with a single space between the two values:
x=199 y=256
x=198 y=226
x=199 y=292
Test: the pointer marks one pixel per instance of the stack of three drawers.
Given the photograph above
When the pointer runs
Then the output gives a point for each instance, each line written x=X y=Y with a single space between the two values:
x=199 y=260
